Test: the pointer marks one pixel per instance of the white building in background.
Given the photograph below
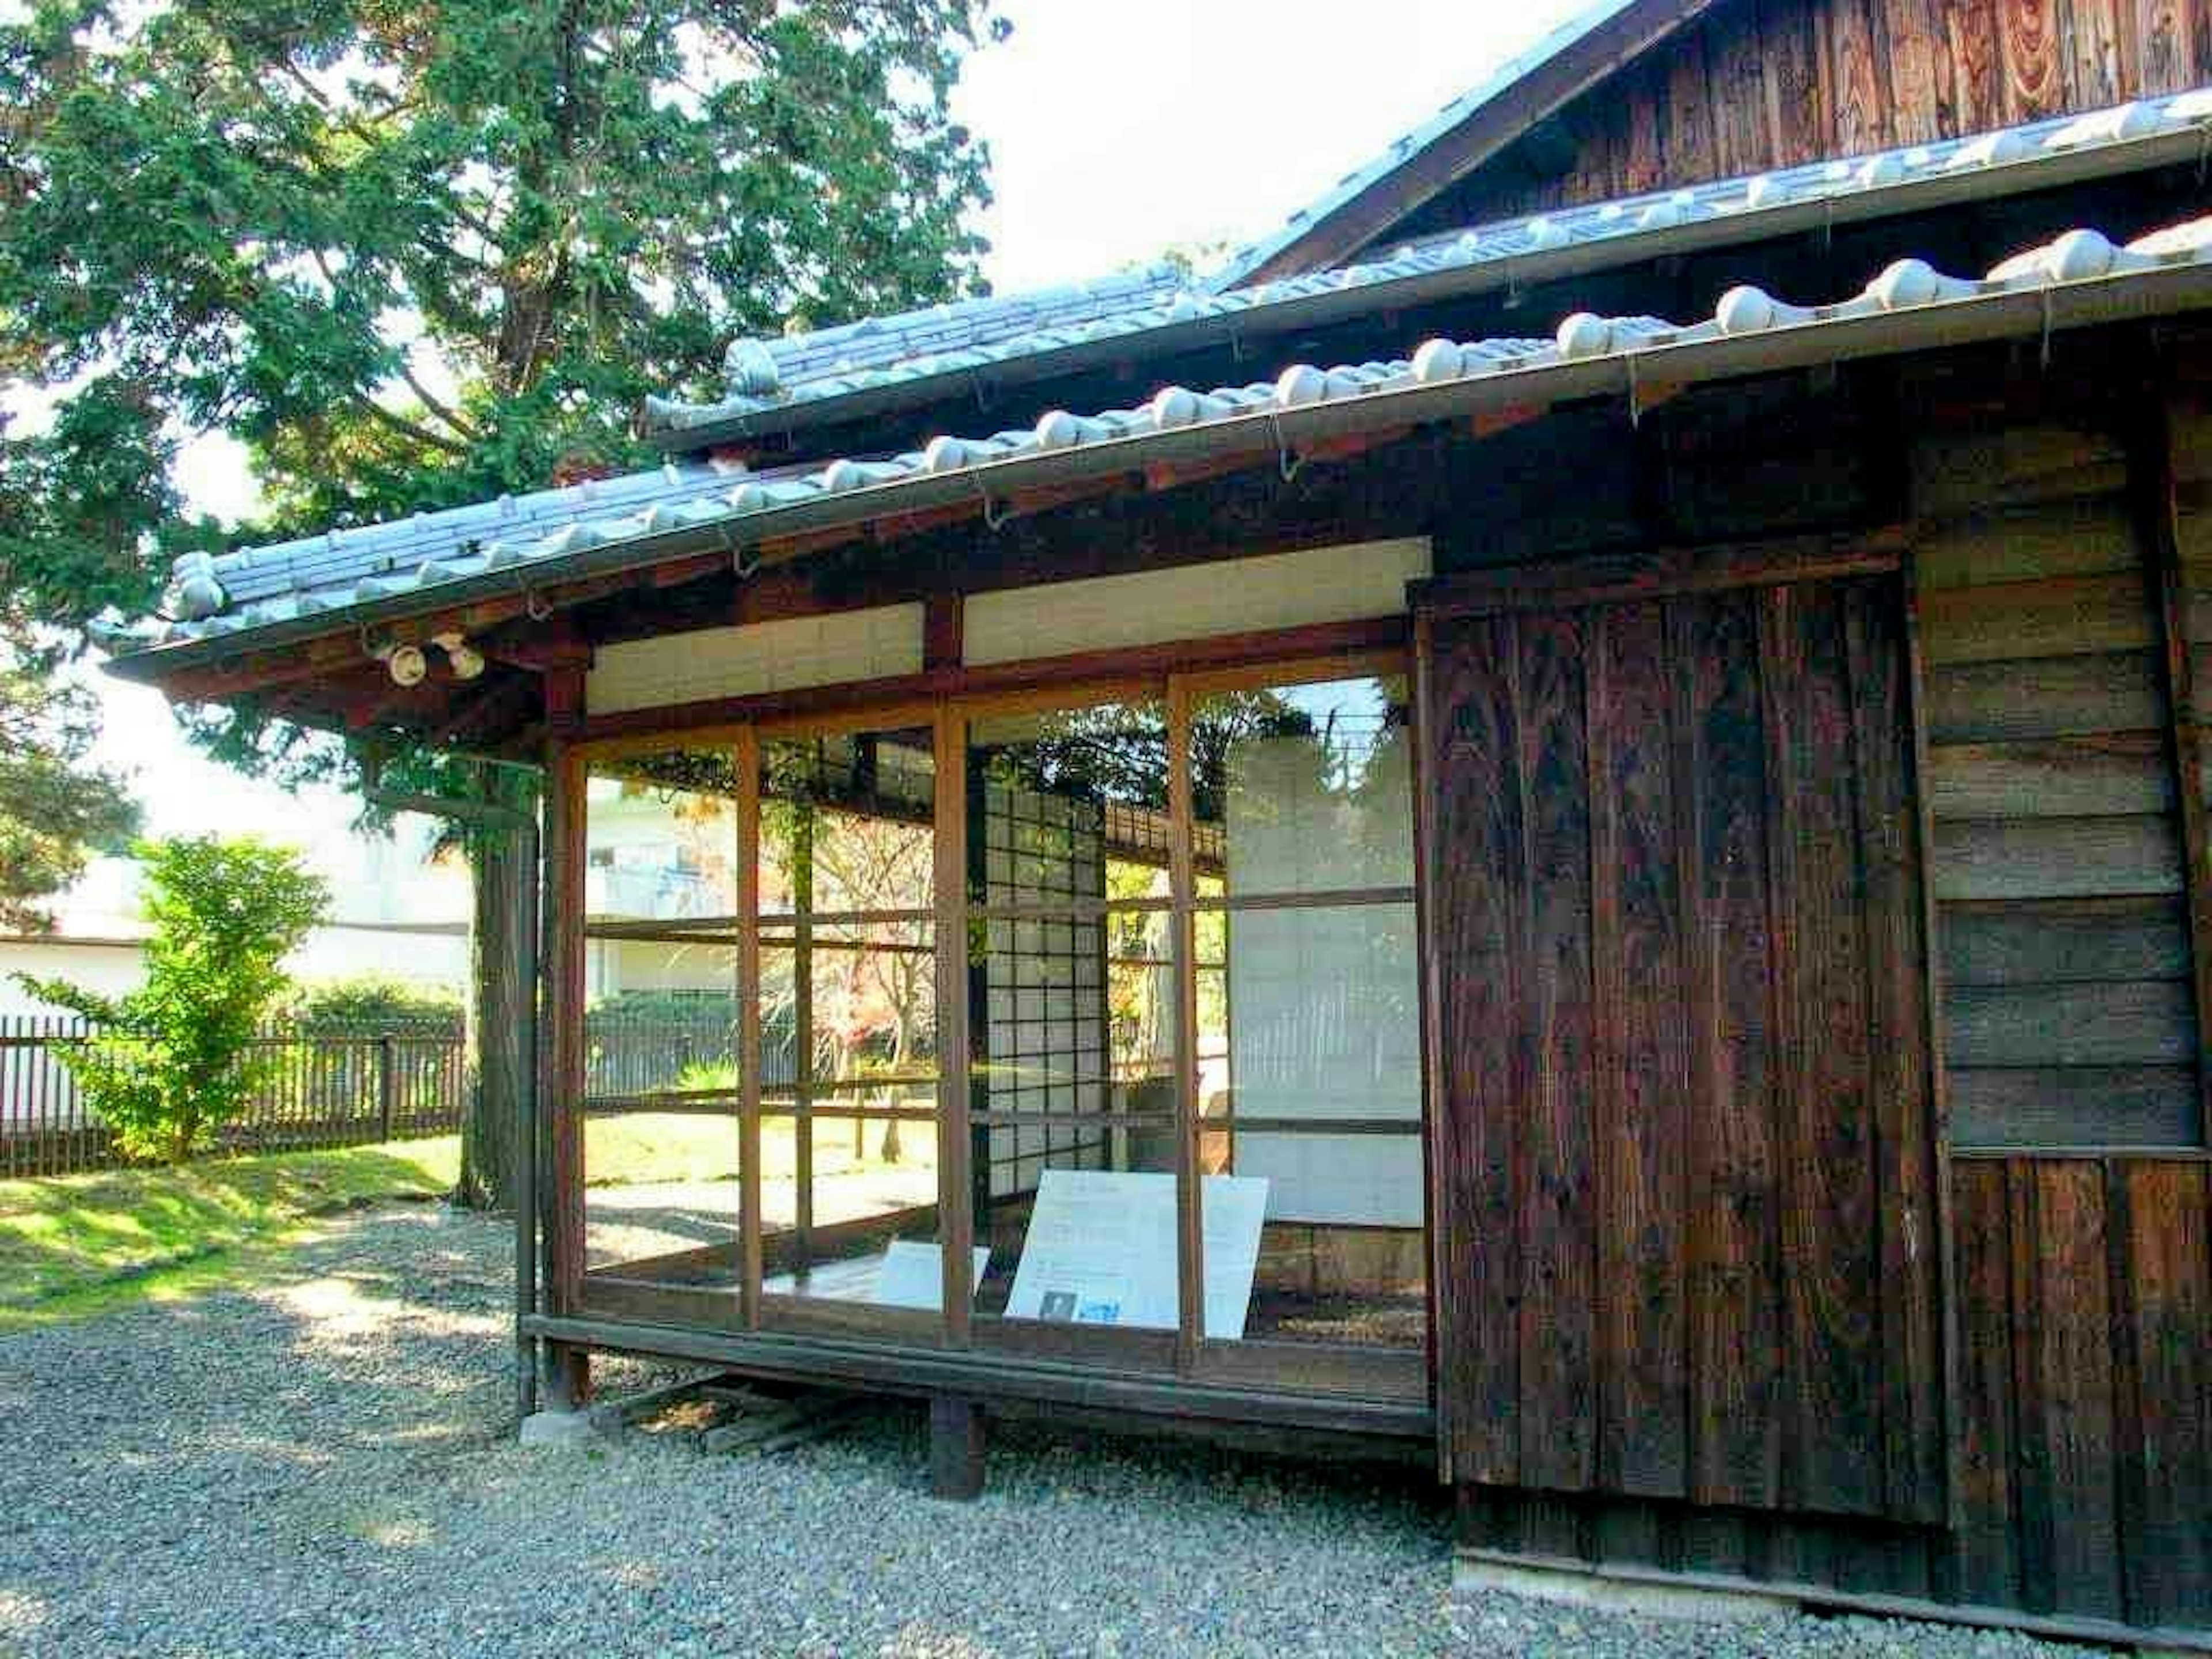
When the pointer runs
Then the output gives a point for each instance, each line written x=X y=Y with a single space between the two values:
x=395 y=913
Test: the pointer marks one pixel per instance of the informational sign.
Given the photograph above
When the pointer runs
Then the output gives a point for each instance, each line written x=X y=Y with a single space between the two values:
x=1100 y=1250
x=913 y=1275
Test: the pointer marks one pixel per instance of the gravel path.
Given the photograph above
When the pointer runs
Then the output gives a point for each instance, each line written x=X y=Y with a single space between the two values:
x=326 y=1467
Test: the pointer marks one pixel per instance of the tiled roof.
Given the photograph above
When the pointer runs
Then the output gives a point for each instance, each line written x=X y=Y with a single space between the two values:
x=772 y=380
x=422 y=564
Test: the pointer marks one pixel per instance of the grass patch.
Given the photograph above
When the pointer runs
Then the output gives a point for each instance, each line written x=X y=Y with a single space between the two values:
x=638 y=1148
x=73 y=1245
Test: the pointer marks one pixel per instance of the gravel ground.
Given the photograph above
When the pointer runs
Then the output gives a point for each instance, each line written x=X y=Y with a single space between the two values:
x=327 y=1466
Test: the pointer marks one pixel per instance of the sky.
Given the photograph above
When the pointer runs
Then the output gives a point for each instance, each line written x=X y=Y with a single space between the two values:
x=1118 y=131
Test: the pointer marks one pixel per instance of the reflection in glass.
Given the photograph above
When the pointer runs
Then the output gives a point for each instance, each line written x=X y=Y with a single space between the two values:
x=1071 y=986
x=848 y=992
x=661 y=1141
x=1308 y=992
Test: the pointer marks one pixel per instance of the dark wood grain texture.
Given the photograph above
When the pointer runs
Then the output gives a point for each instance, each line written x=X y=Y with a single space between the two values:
x=1642 y=1057
x=1479 y=954
x=1559 y=1248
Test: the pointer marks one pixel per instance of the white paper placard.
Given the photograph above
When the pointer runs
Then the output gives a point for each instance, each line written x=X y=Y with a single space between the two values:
x=913 y=1275
x=1100 y=1250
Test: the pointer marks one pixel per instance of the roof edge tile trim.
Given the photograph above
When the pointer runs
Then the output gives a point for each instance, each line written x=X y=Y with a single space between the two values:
x=1743 y=335
x=1523 y=250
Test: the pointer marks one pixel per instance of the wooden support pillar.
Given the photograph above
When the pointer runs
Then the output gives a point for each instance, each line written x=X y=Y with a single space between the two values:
x=956 y=1448
x=802 y=1018
x=567 y=1382
x=745 y=758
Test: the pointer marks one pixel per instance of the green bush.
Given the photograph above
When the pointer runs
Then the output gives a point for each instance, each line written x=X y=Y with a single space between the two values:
x=177 y=1059
x=373 y=1001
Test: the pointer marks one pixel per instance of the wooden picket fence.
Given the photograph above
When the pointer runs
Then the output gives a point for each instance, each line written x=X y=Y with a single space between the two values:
x=328 y=1086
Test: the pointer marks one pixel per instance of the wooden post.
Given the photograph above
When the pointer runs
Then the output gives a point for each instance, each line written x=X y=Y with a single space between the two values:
x=568 y=1379
x=802 y=1021
x=745 y=759
x=1182 y=880
x=955 y=1216
x=387 y=1084
x=956 y=1449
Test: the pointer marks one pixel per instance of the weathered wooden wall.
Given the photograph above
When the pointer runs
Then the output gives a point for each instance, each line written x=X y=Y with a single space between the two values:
x=1757 y=84
x=1686 y=1189
x=2068 y=994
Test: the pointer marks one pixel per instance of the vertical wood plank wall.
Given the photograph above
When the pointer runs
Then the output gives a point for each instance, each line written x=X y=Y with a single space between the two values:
x=1688 y=1184
x=1759 y=84
x=2084 y=1282
x=2082 y=1186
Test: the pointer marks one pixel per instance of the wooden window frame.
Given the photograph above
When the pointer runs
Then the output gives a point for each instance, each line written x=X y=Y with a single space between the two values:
x=947 y=701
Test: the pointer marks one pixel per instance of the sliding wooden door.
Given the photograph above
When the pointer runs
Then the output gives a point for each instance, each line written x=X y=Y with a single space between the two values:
x=1685 y=1163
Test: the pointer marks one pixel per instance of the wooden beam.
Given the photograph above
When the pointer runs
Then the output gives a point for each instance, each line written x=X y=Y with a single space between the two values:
x=1128 y=666
x=1664 y=574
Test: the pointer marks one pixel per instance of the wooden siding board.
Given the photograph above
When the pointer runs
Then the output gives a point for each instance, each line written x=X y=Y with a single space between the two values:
x=1909 y=1209
x=2065 y=941
x=2064 y=616
x=2164 y=51
x=1557 y=1233
x=2067 y=1424
x=1643 y=1057
x=1685 y=93
x=2139 y=1022
x=2164 y=1275
x=1480 y=864
x=2058 y=858
x=1986 y=1564
x=2105 y=775
x=1735 y=1337
x=1970 y=38
x=2090 y=54
x=2047 y=697
x=1737 y=89
x=1831 y=1231
x=2027 y=49
x=2022 y=1108
x=1924 y=107
x=2074 y=535
x=1859 y=73
x=1796 y=111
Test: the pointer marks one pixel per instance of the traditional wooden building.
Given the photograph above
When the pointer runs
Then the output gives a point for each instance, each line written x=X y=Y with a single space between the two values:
x=1559 y=821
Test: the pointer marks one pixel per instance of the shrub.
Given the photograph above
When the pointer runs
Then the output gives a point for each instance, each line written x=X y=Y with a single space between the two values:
x=177 y=1059
x=372 y=1000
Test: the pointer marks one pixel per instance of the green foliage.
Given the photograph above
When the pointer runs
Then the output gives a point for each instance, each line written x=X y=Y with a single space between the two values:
x=55 y=810
x=179 y=1059
x=416 y=256
x=373 y=1001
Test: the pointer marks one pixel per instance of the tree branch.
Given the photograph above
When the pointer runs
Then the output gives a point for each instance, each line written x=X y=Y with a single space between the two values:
x=400 y=423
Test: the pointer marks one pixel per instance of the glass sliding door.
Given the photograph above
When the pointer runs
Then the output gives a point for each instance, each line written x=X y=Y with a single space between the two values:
x=1308 y=1092
x=1066 y=1024
x=1074 y=1186
x=663 y=1199
x=848 y=1020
